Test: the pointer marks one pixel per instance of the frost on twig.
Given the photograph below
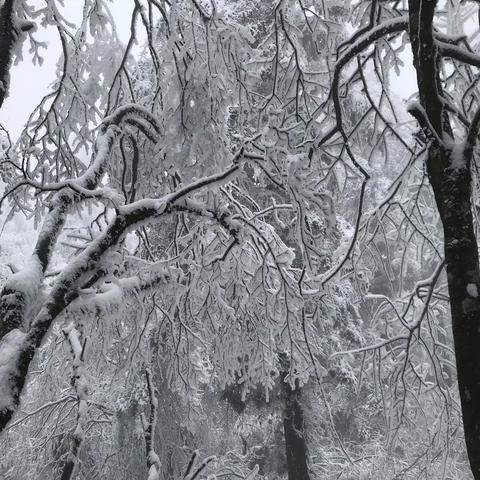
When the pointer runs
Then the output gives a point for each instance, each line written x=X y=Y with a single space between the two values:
x=153 y=461
x=80 y=385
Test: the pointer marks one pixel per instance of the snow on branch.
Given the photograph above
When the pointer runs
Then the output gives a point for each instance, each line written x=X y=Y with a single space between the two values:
x=418 y=112
x=86 y=264
x=364 y=41
x=153 y=461
x=10 y=351
x=56 y=216
x=23 y=289
x=111 y=296
x=457 y=53
x=194 y=469
x=79 y=382
x=133 y=113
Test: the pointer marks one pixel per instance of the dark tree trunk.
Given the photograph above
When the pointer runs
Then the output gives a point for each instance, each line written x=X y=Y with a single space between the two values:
x=294 y=430
x=70 y=464
x=449 y=171
x=461 y=256
x=7 y=38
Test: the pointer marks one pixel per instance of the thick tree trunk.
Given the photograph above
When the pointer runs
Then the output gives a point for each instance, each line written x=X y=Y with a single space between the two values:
x=7 y=38
x=461 y=255
x=449 y=171
x=294 y=430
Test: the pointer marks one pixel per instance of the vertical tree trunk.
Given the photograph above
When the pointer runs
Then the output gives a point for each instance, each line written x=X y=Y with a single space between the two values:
x=79 y=382
x=461 y=255
x=7 y=38
x=294 y=430
x=448 y=168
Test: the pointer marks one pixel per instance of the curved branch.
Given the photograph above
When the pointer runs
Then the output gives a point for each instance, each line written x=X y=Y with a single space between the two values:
x=18 y=349
x=457 y=53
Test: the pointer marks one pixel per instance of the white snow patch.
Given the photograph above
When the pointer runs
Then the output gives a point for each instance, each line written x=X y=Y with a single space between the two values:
x=153 y=458
x=10 y=350
x=27 y=281
x=472 y=290
x=131 y=242
x=153 y=474
x=458 y=159
x=155 y=465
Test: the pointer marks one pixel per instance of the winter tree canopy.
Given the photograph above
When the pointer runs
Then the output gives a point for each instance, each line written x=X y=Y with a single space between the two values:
x=239 y=240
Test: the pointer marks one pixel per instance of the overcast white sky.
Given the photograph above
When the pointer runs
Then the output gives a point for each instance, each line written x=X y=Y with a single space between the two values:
x=30 y=83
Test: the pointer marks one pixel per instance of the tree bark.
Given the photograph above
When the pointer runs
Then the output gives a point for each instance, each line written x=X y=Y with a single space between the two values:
x=461 y=256
x=449 y=171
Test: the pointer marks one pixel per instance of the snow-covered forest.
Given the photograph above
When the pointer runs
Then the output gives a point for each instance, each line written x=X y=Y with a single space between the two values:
x=239 y=240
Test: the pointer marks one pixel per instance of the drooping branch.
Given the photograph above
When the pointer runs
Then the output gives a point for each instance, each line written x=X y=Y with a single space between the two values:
x=364 y=41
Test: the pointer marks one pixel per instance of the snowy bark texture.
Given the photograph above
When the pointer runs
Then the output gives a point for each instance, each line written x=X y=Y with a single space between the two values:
x=79 y=382
x=153 y=461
